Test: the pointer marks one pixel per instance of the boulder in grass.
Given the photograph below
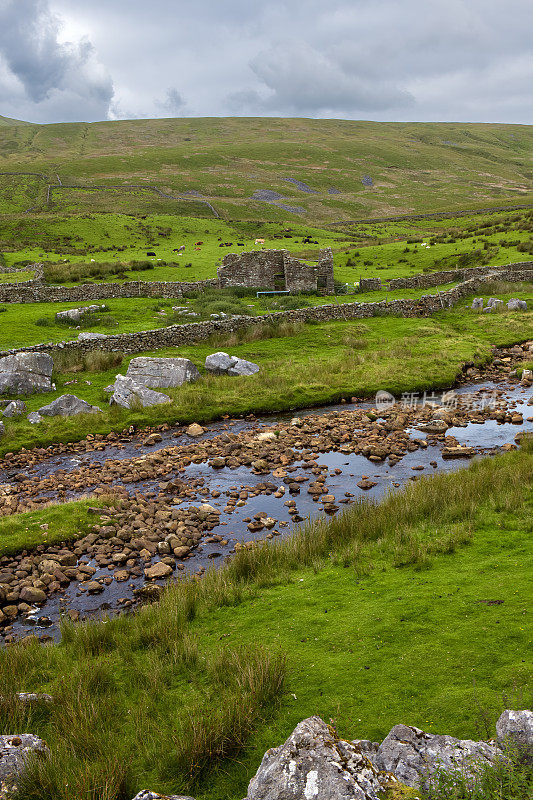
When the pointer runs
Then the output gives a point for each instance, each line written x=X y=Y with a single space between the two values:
x=515 y=304
x=314 y=764
x=14 y=753
x=413 y=755
x=128 y=393
x=162 y=373
x=242 y=367
x=76 y=314
x=219 y=363
x=15 y=408
x=68 y=405
x=34 y=417
x=477 y=303
x=223 y=364
x=2 y=429
x=26 y=373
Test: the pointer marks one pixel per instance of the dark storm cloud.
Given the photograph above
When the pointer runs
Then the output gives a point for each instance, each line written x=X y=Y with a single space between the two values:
x=42 y=76
x=374 y=59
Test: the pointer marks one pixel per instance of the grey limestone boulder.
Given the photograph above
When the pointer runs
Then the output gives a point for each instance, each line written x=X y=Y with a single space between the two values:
x=128 y=393
x=34 y=417
x=14 y=753
x=413 y=756
x=494 y=303
x=242 y=367
x=223 y=364
x=76 y=314
x=314 y=764
x=219 y=363
x=477 y=303
x=162 y=372
x=517 y=726
x=25 y=373
x=67 y=406
x=86 y=336
x=15 y=408
x=147 y=795
x=517 y=305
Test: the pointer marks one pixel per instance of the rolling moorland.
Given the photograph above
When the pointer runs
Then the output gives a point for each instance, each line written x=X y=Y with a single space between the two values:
x=410 y=603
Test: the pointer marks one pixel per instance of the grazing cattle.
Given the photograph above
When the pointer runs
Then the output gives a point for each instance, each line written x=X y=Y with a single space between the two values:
x=150 y=253
x=197 y=244
x=179 y=249
x=259 y=241
x=240 y=244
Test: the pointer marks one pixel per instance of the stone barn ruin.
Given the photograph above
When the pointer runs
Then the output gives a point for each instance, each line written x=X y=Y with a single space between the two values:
x=277 y=270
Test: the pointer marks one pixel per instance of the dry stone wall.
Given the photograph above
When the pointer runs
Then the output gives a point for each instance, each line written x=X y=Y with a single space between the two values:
x=179 y=335
x=448 y=276
x=35 y=291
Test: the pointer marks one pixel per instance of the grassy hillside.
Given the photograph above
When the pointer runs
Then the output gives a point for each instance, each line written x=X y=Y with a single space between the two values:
x=407 y=167
x=9 y=121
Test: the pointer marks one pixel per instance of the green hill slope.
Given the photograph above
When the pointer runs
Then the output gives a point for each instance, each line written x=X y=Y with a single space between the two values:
x=326 y=169
x=9 y=121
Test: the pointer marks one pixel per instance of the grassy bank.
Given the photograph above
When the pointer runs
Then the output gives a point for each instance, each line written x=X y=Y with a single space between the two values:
x=300 y=366
x=413 y=610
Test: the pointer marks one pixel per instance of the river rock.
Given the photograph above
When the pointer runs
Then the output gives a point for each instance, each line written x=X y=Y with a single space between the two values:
x=147 y=795
x=29 y=594
x=15 y=408
x=68 y=405
x=14 y=753
x=517 y=726
x=25 y=373
x=76 y=314
x=162 y=372
x=194 y=430
x=158 y=570
x=128 y=393
x=314 y=764
x=515 y=304
x=434 y=426
x=413 y=756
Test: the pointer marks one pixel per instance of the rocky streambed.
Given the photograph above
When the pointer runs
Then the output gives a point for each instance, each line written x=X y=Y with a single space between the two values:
x=174 y=501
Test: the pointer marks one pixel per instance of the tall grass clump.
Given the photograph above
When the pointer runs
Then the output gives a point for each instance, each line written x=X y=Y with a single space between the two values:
x=68 y=361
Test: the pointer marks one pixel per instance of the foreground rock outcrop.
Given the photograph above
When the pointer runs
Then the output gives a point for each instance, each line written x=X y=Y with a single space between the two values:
x=14 y=753
x=315 y=763
x=413 y=755
x=26 y=373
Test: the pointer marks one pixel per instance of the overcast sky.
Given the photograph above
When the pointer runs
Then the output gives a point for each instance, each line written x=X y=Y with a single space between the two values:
x=466 y=60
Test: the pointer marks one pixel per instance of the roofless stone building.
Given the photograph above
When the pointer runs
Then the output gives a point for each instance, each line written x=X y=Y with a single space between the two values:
x=277 y=270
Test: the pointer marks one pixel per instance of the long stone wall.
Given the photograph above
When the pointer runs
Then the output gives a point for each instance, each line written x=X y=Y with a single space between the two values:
x=35 y=291
x=428 y=280
x=178 y=335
